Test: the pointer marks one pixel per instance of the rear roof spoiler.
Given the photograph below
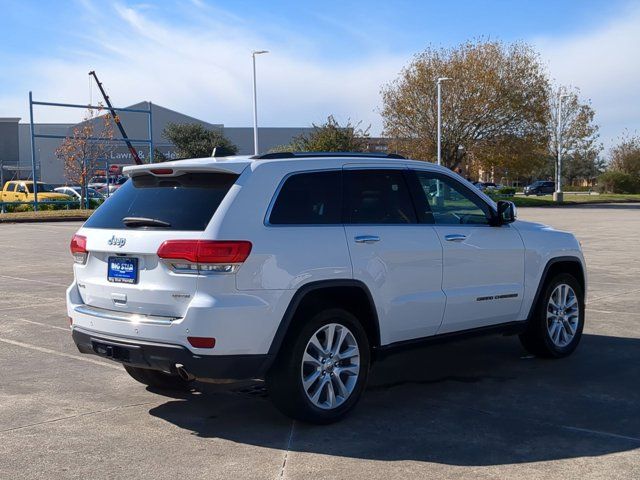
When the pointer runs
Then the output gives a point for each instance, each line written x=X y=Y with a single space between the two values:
x=184 y=166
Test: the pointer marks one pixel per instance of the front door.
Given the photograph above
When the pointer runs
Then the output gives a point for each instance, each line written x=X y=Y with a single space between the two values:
x=483 y=271
x=399 y=259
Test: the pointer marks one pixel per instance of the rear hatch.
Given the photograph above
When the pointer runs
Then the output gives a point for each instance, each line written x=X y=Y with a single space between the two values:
x=123 y=271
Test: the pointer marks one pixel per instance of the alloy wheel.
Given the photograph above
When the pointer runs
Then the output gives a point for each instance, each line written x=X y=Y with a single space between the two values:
x=563 y=315
x=330 y=366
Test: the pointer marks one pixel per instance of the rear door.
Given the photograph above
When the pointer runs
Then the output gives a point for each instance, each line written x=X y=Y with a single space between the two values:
x=123 y=271
x=399 y=259
x=483 y=272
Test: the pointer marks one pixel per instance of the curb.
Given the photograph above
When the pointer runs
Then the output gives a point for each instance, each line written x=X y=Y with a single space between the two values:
x=43 y=220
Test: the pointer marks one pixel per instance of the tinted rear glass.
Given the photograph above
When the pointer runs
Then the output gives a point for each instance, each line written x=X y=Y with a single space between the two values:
x=308 y=199
x=186 y=202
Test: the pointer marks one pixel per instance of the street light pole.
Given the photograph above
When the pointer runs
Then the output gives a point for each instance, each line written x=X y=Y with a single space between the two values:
x=558 y=196
x=255 y=101
x=438 y=82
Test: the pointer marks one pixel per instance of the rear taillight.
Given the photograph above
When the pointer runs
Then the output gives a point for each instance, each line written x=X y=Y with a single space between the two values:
x=222 y=256
x=79 y=249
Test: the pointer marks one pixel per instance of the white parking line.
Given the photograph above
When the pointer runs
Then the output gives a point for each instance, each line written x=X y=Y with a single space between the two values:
x=611 y=311
x=31 y=305
x=35 y=281
x=66 y=329
x=60 y=354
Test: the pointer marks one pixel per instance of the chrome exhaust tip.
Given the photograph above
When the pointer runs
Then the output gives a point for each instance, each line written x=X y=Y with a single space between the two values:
x=183 y=374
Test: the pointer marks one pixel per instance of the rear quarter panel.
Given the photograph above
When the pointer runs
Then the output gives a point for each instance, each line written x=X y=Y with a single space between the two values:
x=282 y=257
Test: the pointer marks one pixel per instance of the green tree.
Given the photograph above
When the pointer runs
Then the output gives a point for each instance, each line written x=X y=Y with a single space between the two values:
x=192 y=140
x=625 y=156
x=329 y=137
x=495 y=108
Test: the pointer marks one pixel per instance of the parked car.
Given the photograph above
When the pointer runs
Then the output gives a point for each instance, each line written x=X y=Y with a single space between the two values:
x=113 y=186
x=23 y=191
x=487 y=186
x=303 y=269
x=100 y=182
x=74 y=192
x=540 y=187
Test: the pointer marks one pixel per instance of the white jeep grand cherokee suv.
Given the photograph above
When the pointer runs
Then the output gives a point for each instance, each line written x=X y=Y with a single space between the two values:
x=304 y=268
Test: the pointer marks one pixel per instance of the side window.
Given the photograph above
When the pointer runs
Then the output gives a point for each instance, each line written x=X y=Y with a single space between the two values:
x=309 y=199
x=11 y=187
x=378 y=197
x=450 y=202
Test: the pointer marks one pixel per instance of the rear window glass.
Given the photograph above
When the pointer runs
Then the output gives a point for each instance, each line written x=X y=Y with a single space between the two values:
x=308 y=199
x=186 y=202
x=378 y=197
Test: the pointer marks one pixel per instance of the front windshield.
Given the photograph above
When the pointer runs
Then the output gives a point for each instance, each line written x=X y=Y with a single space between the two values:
x=42 y=187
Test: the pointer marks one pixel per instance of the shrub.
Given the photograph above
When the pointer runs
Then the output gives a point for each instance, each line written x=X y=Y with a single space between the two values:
x=502 y=192
x=507 y=191
x=578 y=188
x=618 y=182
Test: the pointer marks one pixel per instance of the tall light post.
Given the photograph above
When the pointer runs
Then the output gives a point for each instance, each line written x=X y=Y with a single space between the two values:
x=558 y=196
x=438 y=83
x=255 y=101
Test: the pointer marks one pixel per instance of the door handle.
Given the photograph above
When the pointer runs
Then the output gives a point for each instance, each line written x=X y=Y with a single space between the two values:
x=455 y=237
x=367 y=239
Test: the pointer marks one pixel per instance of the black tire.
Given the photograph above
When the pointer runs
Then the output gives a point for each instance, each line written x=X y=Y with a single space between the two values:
x=284 y=379
x=157 y=379
x=536 y=339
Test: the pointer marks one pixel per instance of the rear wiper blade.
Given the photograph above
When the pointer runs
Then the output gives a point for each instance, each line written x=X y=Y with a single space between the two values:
x=144 y=222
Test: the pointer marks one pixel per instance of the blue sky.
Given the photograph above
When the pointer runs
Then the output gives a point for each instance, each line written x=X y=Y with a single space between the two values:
x=329 y=57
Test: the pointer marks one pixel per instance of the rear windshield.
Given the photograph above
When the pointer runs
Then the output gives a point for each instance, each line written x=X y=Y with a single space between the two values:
x=186 y=202
x=42 y=187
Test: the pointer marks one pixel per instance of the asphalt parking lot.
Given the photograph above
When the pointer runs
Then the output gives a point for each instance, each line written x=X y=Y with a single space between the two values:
x=476 y=409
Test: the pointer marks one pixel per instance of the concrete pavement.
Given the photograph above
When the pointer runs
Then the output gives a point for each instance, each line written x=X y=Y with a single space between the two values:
x=481 y=408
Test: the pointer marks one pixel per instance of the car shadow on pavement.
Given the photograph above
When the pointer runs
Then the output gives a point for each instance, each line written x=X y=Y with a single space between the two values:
x=477 y=402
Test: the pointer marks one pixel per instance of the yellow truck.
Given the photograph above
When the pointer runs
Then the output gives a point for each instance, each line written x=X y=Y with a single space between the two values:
x=22 y=191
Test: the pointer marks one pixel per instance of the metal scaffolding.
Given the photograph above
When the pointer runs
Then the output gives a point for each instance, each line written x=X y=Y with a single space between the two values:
x=34 y=135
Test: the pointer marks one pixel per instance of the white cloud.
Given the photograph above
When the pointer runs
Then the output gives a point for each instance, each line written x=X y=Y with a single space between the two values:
x=203 y=68
x=199 y=63
x=604 y=64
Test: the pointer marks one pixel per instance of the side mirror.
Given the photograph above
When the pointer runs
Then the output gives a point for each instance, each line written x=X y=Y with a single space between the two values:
x=507 y=212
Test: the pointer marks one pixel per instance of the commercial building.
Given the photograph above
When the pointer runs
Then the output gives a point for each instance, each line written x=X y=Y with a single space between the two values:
x=15 y=141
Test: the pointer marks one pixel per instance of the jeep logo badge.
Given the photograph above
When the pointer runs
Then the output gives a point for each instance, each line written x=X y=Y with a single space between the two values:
x=117 y=242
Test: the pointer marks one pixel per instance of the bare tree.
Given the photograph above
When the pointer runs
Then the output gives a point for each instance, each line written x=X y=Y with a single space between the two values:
x=578 y=136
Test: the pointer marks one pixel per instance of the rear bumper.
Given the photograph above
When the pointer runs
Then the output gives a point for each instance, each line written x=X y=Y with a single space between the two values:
x=163 y=356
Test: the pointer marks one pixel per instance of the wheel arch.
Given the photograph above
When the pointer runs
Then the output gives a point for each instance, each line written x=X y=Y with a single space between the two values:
x=564 y=264
x=352 y=295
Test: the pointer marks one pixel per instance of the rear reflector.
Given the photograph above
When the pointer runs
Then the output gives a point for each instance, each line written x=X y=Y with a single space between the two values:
x=79 y=248
x=161 y=171
x=202 y=342
x=206 y=251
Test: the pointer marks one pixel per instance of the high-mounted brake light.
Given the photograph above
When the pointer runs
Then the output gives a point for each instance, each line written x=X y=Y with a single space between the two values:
x=161 y=171
x=205 y=255
x=79 y=249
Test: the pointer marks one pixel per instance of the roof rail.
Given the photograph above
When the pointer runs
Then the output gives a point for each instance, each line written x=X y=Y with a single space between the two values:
x=276 y=155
